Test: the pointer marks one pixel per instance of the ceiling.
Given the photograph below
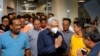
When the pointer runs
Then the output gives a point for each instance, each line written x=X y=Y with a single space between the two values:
x=32 y=4
x=81 y=3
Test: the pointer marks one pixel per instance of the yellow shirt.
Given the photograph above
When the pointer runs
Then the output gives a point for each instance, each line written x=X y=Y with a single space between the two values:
x=76 y=44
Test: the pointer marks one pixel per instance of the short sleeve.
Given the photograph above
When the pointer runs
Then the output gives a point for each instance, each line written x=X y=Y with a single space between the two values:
x=27 y=44
x=0 y=42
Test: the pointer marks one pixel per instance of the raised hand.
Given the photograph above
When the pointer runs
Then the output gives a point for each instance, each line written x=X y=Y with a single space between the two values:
x=58 y=42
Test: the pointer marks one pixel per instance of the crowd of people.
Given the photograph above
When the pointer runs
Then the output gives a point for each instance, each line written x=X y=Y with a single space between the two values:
x=40 y=35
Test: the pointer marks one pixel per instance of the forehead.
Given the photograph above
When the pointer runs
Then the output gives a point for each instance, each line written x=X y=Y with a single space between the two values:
x=36 y=21
x=66 y=21
x=43 y=21
x=75 y=25
x=22 y=19
x=17 y=21
x=11 y=15
x=5 y=19
x=54 y=23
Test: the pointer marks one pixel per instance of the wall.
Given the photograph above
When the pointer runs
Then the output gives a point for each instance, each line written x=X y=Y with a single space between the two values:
x=59 y=9
x=21 y=10
x=9 y=3
x=73 y=9
x=1 y=8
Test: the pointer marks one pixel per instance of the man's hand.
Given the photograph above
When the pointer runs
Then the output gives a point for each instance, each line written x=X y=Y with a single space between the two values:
x=79 y=53
x=58 y=42
x=27 y=52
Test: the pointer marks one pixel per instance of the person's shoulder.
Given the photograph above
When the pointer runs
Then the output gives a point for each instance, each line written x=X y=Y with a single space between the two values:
x=23 y=34
x=71 y=32
x=44 y=31
x=30 y=31
x=59 y=32
x=73 y=35
x=73 y=38
x=5 y=34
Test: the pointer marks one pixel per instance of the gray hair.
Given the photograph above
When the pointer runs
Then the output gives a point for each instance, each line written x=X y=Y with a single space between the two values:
x=50 y=20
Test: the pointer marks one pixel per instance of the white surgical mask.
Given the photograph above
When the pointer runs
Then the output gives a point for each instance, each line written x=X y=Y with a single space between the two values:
x=54 y=30
x=26 y=22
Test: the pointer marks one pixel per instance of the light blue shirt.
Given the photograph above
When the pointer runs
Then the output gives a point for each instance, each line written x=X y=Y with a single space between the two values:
x=13 y=47
x=33 y=36
x=0 y=52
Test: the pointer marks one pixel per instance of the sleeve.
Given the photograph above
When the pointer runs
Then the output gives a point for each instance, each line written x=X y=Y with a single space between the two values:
x=70 y=48
x=0 y=42
x=42 y=49
x=63 y=46
x=28 y=34
x=27 y=44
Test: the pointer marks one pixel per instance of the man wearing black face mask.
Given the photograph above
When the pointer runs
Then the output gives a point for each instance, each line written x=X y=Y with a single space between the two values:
x=50 y=40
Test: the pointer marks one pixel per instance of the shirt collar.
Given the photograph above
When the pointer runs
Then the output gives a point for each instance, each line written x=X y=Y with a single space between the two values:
x=66 y=31
x=12 y=36
x=96 y=45
x=37 y=30
x=48 y=31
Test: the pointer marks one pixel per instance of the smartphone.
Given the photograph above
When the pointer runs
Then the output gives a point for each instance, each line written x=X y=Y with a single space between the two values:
x=84 y=51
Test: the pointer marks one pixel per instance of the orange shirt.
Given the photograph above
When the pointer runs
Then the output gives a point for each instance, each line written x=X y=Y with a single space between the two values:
x=25 y=29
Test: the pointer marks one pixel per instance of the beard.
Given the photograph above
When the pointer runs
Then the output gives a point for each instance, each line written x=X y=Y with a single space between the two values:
x=15 y=32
